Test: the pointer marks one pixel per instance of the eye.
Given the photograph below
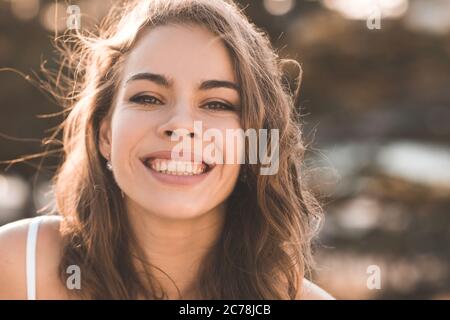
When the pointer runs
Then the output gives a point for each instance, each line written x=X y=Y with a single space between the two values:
x=218 y=106
x=144 y=99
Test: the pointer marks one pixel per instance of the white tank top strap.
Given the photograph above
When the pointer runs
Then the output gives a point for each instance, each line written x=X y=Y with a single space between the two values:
x=33 y=229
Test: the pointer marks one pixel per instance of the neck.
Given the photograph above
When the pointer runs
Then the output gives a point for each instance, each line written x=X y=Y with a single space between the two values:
x=176 y=246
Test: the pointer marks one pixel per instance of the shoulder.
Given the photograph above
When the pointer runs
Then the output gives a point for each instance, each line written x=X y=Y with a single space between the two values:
x=311 y=291
x=13 y=240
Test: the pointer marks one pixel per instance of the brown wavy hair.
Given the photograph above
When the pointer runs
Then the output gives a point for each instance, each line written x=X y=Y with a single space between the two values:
x=264 y=250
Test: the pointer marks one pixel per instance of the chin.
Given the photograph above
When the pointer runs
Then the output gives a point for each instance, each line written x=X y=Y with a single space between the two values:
x=173 y=209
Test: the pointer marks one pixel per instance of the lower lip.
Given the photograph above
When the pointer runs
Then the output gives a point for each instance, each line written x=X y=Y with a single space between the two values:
x=176 y=179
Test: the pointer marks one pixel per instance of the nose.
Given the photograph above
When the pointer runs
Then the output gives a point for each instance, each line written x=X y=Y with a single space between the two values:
x=180 y=122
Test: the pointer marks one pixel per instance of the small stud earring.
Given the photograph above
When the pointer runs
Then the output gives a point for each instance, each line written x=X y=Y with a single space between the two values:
x=109 y=165
x=110 y=168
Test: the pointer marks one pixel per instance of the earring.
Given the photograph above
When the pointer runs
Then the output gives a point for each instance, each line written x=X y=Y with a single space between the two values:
x=110 y=168
x=108 y=164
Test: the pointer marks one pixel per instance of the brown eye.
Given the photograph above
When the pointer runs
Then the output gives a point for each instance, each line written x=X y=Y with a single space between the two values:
x=217 y=106
x=144 y=99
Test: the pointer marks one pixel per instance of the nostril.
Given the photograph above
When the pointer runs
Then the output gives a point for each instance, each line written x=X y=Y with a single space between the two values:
x=169 y=133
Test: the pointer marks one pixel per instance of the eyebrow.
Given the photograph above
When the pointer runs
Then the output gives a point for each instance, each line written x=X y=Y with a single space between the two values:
x=165 y=82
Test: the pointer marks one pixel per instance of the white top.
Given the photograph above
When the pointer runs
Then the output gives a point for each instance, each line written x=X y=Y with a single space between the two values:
x=33 y=228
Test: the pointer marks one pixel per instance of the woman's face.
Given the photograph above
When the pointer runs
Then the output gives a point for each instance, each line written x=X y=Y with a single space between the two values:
x=164 y=88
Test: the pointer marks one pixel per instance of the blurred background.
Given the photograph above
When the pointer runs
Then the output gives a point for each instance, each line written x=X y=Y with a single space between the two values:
x=375 y=100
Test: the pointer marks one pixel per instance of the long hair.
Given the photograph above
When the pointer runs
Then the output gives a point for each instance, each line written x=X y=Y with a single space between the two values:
x=264 y=249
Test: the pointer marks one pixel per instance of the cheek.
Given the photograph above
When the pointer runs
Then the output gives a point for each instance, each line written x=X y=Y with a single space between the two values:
x=128 y=130
x=232 y=148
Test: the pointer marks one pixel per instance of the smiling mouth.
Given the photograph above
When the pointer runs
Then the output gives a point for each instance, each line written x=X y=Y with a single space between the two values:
x=176 y=167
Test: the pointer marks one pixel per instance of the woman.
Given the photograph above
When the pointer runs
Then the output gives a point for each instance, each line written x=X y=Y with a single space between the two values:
x=133 y=221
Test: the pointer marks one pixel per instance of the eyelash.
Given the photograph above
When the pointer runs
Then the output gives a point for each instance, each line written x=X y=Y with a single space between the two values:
x=139 y=99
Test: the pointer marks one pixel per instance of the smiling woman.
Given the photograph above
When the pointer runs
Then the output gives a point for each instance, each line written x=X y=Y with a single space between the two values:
x=141 y=223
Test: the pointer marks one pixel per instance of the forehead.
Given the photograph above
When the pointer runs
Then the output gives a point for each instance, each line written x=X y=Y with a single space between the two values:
x=182 y=52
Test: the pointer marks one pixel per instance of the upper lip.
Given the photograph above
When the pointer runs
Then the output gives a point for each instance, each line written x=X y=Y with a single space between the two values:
x=185 y=156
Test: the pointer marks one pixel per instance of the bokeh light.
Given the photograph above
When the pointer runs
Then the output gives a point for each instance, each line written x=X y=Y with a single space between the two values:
x=363 y=9
x=25 y=9
x=278 y=7
x=53 y=17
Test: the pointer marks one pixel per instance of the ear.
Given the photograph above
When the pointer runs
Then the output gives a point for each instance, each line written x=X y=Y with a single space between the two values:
x=105 y=137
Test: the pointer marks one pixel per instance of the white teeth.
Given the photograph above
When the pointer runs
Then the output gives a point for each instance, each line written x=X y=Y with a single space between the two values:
x=177 y=167
x=180 y=167
x=172 y=166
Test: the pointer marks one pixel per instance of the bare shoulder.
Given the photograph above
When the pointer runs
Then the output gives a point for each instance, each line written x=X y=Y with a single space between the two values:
x=13 y=239
x=311 y=291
